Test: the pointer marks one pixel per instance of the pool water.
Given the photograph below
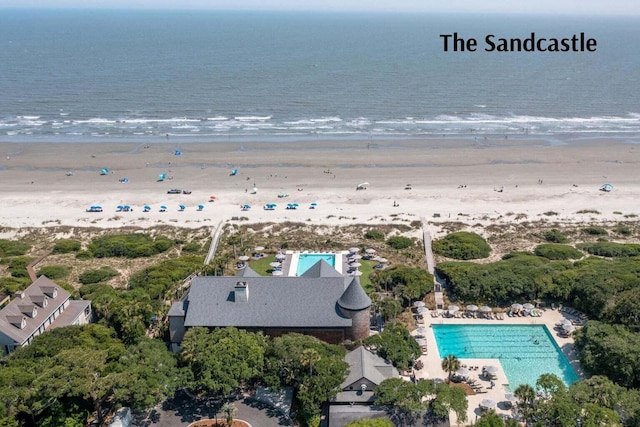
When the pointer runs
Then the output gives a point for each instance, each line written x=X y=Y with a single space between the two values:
x=306 y=261
x=525 y=351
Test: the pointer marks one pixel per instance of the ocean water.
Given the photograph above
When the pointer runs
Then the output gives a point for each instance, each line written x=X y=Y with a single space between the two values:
x=219 y=76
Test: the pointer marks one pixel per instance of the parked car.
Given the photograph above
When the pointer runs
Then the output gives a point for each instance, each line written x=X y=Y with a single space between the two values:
x=186 y=191
x=174 y=191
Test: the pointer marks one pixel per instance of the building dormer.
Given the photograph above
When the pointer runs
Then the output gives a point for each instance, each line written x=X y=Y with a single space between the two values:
x=28 y=310
x=19 y=322
x=241 y=291
x=40 y=300
x=50 y=291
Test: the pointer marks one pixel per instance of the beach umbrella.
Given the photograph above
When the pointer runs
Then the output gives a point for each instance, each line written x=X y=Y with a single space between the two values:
x=509 y=397
x=383 y=260
x=421 y=342
x=162 y=177
x=422 y=310
x=182 y=207
x=104 y=171
x=275 y=264
x=246 y=206
x=454 y=308
x=565 y=322
x=163 y=208
x=354 y=250
x=517 y=306
x=259 y=248
x=491 y=369
x=119 y=207
x=463 y=372
x=212 y=198
x=488 y=404
x=356 y=257
x=485 y=309
x=126 y=207
x=421 y=331
x=370 y=251
x=472 y=307
x=528 y=306
x=277 y=273
x=419 y=304
x=146 y=208
x=280 y=256
x=355 y=264
x=200 y=207
x=295 y=205
x=234 y=172
x=243 y=258
x=313 y=205
x=568 y=328
x=356 y=273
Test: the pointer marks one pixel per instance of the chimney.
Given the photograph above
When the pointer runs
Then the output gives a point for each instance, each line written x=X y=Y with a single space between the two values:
x=19 y=295
x=241 y=292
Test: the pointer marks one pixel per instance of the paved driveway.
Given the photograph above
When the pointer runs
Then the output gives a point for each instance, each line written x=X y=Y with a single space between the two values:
x=183 y=410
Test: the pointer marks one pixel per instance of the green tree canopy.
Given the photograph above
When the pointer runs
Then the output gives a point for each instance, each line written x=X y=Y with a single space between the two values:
x=396 y=345
x=462 y=245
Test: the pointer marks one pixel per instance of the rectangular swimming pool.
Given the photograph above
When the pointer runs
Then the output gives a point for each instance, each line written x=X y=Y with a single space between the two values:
x=525 y=351
x=306 y=261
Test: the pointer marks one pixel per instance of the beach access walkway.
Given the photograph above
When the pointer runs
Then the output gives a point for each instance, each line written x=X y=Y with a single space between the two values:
x=431 y=264
x=216 y=233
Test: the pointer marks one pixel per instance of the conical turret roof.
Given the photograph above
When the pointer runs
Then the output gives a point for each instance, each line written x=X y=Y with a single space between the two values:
x=354 y=298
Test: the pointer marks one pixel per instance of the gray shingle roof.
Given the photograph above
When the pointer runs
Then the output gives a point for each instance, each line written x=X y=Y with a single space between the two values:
x=354 y=297
x=364 y=364
x=247 y=272
x=38 y=288
x=273 y=302
x=321 y=269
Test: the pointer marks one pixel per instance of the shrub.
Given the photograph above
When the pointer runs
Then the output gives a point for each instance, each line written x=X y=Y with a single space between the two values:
x=54 y=271
x=374 y=235
x=13 y=284
x=555 y=236
x=84 y=255
x=191 y=247
x=66 y=245
x=611 y=249
x=96 y=276
x=134 y=245
x=399 y=242
x=622 y=230
x=13 y=248
x=18 y=266
x=595 y=231
x=557 y=251
x=462 y=245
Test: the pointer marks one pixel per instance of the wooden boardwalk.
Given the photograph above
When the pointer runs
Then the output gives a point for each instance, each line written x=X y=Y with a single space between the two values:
x=431 y=264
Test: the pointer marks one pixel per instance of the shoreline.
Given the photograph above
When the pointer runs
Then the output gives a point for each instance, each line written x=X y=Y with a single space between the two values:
x=457 y=179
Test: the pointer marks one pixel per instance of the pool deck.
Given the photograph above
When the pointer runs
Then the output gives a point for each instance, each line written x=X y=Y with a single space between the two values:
x=432 y=359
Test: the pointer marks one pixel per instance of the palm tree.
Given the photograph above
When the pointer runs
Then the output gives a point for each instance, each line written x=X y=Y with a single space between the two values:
x=450 y=364
x=309 y=357
x=526 y=396
x=230 y=410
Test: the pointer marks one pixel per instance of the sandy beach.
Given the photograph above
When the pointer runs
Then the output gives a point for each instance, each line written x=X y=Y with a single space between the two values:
x=451 y=179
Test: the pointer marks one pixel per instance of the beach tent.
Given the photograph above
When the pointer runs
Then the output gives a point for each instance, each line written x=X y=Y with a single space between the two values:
x=182 y=208
x=177 y=152
x=162 y=177
x=234 y=172
x=606 y=188
x=69 y=173
x=254 y=190
x=146 y=208
x=362 y=186
x=163 y=208
x=126 y=208
x=119 y=208
x=104 y=171
x=246 y=207
x=200 y=207
x=95 y=208
x=124 y=180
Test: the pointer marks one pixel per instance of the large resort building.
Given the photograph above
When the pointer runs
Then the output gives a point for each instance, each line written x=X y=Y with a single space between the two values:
x=42 y=306
x=321 y=302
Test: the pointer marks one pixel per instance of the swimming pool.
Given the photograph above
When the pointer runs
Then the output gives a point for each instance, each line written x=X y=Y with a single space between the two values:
x=525 y=351
x=306 y=261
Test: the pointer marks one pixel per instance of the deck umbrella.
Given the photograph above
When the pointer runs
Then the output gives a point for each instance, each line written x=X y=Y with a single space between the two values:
x=517 y=306
x=472 y=307
x=485 y=309
x=454 y=308
x=243 y=258
x=528 y=306
x=488 y=404
x=419 y=304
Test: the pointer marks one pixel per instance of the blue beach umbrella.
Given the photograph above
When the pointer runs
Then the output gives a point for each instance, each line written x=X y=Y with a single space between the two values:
x=200 y=207
x=104 y=171
x=314 y=204
x=182 y=207
x=127 y=207
x=234 y=172
x=163 y=208
x=119 y=207
x=162 y=177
